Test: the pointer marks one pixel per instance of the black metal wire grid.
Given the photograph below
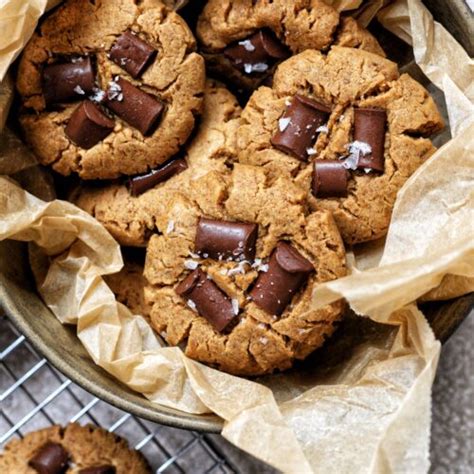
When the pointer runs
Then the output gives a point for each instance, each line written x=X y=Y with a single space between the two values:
x=34 y=395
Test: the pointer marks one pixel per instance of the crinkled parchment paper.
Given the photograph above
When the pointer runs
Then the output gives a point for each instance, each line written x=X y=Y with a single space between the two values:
x=353 y=408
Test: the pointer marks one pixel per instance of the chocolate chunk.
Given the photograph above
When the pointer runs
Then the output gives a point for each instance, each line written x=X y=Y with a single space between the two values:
x=298 y=127
x=329 y=179
x=68 y=81
x=207 y=298
x=287 y=271
x=52 y=458
x=105 y=469
x=257 y=53
x=369 y=127
x=223 y=240
x=88 y=125
x=132 y=54
x=139 y=184
x=137 y=108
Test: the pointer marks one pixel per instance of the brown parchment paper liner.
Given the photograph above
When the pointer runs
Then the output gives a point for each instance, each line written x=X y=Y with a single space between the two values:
x=365 y=404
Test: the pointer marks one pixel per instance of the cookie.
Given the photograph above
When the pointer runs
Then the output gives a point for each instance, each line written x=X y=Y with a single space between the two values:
x=110 y=88
x=244 y=40
x=128 y=285
x=132 y=219
x=74 y=448
x=347 y=129
x=232 y=285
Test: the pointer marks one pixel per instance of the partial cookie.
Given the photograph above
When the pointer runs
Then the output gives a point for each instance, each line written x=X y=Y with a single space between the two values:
x=75 y=449
x=128 y=285
x=243 y=41
x=347 y=129
x=132 y=219
x=110 y=88
x=233 y=284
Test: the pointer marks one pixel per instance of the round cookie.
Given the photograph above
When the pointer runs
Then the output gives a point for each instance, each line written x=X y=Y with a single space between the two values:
x=347 y=129
x=243 y=40
x=110 y=88
x=81 y=447
x=132 y=219
x=239 y=305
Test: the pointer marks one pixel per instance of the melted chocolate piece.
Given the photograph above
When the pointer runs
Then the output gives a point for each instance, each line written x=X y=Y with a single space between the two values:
x=257 y=53
x=297 y=128
x=105 y=469
x=88 y=125
x=137 y=108
x=52 y=458
x=132 y=54
x=207 y=298
x=222 y=240
x=329 y=179
x=139 y=184
x=68 y=81
x=369 y=127
x=287 y=271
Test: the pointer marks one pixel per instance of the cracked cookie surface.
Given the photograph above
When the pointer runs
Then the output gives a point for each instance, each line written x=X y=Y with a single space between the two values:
x=87 y=446
x=301 y=25
x=176 y=77
x=258 y=342
x=343 y=80
x=132 y=220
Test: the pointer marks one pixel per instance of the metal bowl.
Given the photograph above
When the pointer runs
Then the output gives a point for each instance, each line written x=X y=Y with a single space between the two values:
x=59 y=344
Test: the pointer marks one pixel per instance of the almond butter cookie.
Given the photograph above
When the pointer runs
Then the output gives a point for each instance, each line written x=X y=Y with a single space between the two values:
x=110 y=88
x=79 y=449
x=243 y=40
x=347 y=129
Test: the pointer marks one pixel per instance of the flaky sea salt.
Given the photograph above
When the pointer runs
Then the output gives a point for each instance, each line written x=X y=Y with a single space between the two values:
x=235 y=306
x=192 y=305
x=98 y=95
x=323 y=129
x=263 y=340
x=283 y=123
x=356 y=150
x=114 y=91
x=247 y=44
x=79 y=90
x=310 y=151
x=238 y=269
x=170 y=227
x=262 y=325
x=257 y=67
x=191 y=264
x=287 y=102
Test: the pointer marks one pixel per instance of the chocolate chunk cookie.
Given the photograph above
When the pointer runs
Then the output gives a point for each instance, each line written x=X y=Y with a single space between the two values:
x=347 y=129
x=132 y=219
x=232 y=284
x=110 y=88
x=243 y=40
x=79 y=449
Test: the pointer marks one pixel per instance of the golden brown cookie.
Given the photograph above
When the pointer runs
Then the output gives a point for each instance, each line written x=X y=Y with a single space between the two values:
x=315 y=124
x=132 y=219
x=80 y=446
x=244 y=40
x=239 y=305
x=110 y=88
x=128 y=285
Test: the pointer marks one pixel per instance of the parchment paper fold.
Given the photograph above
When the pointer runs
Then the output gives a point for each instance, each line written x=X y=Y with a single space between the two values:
x=353 y=411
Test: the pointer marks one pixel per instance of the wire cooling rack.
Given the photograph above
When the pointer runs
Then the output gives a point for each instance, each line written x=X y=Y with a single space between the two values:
x=34 y=395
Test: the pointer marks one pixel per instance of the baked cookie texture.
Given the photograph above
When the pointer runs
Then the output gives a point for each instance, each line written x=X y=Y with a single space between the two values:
x=88 y=446
x=341 y=80
x=132 y=220
x=128 y=285
x=176 y=77
x=257 y=342
x=300 y=25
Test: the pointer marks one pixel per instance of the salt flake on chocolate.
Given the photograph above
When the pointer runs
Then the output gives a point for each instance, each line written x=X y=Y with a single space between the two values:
x=283 y=123
x=247 y=44
x=235 y=306
x=191 y=264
